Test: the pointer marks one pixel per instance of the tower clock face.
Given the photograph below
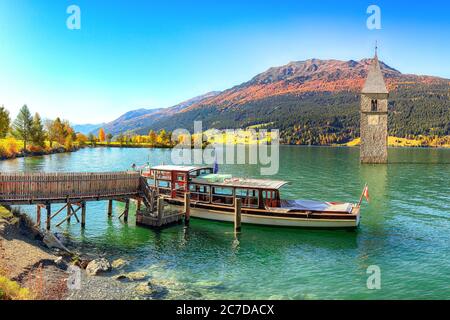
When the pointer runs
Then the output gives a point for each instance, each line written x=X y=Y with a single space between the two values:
x=373 y=119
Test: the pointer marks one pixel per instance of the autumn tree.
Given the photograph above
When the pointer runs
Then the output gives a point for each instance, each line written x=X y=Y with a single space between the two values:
x=152 y=138
x=56 y=131
x=81 y=138
x=68 y=143
x=163 y=137
x=101 y=135
x=22 y=126
x=5 y=121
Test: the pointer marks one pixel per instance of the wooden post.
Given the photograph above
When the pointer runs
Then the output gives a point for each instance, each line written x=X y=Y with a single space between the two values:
x=138 y=206
x=160 y=208
x=83 y=214
x=69 y=208
x=187 y=208
x=237 y=214
x=127 y=208
x=49 y=215
x=38 y=215
x=110 y=208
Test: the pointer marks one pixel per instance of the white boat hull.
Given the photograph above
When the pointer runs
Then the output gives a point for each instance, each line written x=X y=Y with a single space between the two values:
x=275 y=220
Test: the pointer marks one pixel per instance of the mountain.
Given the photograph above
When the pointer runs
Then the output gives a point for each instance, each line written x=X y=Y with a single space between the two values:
x=314 y=102
x=143 y=119
x=87 y=128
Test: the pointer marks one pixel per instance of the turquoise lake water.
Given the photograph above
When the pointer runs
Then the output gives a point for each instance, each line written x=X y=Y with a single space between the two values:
x=405 y=230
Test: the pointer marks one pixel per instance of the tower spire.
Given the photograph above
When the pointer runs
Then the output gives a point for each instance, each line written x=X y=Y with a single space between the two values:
x=375 y=80
x=376 y=49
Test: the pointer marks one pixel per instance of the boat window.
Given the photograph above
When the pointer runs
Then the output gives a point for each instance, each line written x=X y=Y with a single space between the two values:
x=180 y=177
x=193 y=174
x=205 y=171
x=199 y=192
x=223 y=191
x=163 y=175
x=250 y=197
x=222 y=195
x=270 y=198
x=164 y=187
x=164 y=184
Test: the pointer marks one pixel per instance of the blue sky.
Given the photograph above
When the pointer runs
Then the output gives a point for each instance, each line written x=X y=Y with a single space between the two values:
x=132 y=54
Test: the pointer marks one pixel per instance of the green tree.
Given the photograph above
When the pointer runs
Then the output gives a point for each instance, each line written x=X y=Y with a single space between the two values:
x=91 y=139
x=5 y=121
x=22 y=126
x=120 y=138
x=109 y=137
x=38 y=134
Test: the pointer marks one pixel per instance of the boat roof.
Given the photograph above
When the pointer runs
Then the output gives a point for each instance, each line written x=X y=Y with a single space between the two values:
x=170 y=167
x=228 y=181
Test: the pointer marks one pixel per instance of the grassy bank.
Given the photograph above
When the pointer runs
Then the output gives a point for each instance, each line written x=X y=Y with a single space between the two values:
x=423 y=142
x=11 y=148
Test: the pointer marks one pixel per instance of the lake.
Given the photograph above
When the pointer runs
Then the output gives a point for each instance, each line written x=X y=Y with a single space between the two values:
x=405 y=230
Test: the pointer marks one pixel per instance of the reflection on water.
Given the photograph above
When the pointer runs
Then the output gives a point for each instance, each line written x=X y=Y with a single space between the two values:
x=404 y=229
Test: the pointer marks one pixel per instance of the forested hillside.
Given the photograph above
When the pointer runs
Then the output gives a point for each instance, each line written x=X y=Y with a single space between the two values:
x=317 y=102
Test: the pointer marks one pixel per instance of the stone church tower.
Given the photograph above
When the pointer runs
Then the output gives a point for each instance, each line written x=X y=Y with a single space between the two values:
x=374 y=116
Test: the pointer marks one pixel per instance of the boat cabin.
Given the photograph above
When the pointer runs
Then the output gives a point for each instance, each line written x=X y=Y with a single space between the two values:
x=216 y=189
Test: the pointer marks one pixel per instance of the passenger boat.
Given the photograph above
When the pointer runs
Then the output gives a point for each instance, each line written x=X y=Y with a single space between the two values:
x=212 y=197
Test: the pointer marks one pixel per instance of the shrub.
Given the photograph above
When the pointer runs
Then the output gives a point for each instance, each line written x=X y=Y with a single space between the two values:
x=9 y=147
x=68 y=145
x=35 y=149
x=11 y=290
x=3 y=152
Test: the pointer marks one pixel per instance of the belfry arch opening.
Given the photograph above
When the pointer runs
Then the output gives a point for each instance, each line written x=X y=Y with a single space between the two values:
x=374 y=105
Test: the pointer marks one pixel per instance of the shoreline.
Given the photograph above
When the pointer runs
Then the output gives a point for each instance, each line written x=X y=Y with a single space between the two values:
x=38 y=270
x=26 y=263
x=345 y=145
x=28 y=154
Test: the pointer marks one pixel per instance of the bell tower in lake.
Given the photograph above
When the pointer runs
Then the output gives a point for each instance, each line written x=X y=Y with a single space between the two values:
x=374 y=116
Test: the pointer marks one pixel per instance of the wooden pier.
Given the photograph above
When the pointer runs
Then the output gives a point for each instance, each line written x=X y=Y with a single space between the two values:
x=158 y=215
x=73 y=190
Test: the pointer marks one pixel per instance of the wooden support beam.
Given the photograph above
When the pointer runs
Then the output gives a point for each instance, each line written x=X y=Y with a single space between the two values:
x=127 y=209
x=48 y=208
x=38 y=216
x=73 y=213
x=110 y=208
x=237 y=214
x=69 y=208
x=187 y=208
x=138 y=206
x=57 y=212
x=125 y=212
x=160 y=210
x=83 y=214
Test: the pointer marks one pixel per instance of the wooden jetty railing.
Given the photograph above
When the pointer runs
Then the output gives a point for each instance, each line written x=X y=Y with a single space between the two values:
x=72 y=189
x=36 y=188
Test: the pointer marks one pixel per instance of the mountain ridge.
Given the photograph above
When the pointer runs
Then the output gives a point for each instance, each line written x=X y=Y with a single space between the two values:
x=322 y=95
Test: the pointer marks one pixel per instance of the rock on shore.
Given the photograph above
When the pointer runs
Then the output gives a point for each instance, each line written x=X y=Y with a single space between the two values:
x=98 y=266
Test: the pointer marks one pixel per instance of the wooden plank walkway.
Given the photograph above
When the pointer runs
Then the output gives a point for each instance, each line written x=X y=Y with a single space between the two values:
x=63 y=187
